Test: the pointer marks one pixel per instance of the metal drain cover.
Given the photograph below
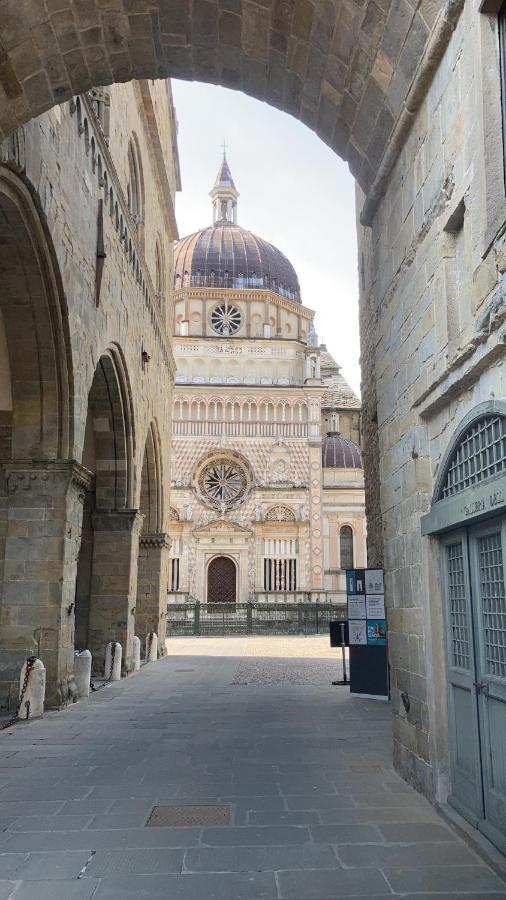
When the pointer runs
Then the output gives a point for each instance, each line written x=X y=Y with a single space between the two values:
x=198 y=816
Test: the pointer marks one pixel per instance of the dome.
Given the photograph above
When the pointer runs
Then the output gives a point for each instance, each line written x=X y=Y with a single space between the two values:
x=225 y=255
x=340 y=453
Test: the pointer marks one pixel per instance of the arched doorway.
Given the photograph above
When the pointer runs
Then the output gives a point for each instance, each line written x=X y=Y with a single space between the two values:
x=222 y=580
x=468 y=515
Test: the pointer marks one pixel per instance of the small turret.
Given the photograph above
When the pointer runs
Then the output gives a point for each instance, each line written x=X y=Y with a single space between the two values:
x=224 y=195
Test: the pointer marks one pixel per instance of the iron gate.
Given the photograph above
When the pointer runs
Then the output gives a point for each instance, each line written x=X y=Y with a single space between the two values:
x=251 y=618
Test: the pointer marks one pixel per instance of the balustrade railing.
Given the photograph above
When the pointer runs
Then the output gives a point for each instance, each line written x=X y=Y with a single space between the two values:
x=239 y=429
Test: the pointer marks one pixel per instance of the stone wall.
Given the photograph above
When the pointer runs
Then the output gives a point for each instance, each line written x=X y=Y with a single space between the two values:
x=432 y=332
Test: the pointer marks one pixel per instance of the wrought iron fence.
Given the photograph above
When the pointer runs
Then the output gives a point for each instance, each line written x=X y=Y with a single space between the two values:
x=251 y=618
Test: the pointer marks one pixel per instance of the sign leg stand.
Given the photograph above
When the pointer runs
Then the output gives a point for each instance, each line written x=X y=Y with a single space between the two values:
x=343 y=652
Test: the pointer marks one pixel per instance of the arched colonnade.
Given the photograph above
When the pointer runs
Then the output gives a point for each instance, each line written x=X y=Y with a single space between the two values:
x=81 y=539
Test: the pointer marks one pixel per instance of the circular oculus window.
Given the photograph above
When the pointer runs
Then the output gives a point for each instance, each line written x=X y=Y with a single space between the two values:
x=223 y=482
x=226 y=319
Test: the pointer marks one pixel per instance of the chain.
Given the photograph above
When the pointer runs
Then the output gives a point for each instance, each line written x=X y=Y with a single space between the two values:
x=15 y=716
x=113 y=654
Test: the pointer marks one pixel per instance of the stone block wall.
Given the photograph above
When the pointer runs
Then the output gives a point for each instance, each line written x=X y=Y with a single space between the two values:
x=433 y=338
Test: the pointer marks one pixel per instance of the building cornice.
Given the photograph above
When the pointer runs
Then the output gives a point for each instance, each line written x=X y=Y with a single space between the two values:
x=249 y=294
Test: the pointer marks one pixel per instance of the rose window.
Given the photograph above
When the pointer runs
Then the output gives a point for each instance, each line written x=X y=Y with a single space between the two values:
x=226 y=319
x=223 y=482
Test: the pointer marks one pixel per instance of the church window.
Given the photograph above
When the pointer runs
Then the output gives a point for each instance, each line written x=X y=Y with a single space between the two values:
x=280 y=574
x=223 y=482
x=346 y=547
x=174 y=574
x=226 y=319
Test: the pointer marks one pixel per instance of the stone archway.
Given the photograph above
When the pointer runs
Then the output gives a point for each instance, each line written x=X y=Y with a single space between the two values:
x=345 y=70
x=40 y=487
x=107 y=564
x=154 y=545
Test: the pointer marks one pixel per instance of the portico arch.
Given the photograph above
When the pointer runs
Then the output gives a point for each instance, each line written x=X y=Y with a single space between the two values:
x=154 y=544
x=107 y=564
x=35 y=438
x=35 y=326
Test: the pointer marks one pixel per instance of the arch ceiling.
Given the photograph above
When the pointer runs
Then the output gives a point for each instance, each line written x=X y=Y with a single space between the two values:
x=343 y=67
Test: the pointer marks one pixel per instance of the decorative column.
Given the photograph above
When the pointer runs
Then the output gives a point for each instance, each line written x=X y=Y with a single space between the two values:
x=44 y=519
x=315 y=494
x=114 y=583
x=152 y=586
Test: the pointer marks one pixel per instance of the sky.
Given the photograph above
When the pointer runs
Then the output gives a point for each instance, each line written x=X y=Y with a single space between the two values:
x=294 y=192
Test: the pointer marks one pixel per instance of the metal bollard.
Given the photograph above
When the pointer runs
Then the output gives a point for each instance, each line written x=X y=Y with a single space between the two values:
x=112 y=668
x=137 y=653
x=152 y=647
x=82 y=672
x=32 y=694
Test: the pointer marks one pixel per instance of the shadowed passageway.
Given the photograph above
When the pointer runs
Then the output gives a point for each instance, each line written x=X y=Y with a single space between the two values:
x=248 y=723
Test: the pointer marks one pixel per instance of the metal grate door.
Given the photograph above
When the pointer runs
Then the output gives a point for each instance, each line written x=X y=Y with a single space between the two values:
x=493 y=604
x=457 y=606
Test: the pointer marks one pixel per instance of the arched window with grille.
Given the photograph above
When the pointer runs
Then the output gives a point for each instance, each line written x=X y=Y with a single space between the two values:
x=346 y=547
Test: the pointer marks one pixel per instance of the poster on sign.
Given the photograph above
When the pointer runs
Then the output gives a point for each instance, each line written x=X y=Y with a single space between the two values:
x=356 y=607
x=375 y=606
x=374 y=582
x=376 y=632
x=355 y=581
x=358 y=632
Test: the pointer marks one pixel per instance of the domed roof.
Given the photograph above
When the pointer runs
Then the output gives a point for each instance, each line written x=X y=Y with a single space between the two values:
x=340 y=453
x=225 y=255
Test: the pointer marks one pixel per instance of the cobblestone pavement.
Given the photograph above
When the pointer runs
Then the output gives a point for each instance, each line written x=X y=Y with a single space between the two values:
x=317 y=811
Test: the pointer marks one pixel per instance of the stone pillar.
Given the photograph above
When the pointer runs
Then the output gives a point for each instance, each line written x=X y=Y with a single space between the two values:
x=43 y=535
x=152 y=586
x=113 y=583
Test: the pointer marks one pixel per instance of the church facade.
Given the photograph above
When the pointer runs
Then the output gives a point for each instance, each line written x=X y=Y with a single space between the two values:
x=267 y=492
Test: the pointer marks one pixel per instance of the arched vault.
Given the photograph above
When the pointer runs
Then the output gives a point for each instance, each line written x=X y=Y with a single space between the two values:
x=354 y=71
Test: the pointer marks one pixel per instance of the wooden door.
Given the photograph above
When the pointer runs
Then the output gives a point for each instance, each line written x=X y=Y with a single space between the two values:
x=222 y=580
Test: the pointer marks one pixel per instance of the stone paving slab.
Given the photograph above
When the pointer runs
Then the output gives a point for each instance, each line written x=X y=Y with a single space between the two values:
x=316 y=809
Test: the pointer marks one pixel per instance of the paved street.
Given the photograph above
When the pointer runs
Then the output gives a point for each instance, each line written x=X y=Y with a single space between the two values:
x=249 y=723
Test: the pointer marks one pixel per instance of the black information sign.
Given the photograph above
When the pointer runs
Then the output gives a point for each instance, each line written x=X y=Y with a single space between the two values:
x=367 y=629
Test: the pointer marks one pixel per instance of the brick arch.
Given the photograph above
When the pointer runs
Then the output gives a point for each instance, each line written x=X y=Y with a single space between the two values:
x=34 y=314
x=110 y=413
x=343 y=68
